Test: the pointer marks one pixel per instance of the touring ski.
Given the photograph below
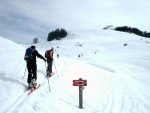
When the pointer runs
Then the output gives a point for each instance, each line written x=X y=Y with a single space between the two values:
x=34 y=88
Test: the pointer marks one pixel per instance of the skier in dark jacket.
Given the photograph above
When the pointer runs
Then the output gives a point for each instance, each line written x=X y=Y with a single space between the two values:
x=32 y=67
x=49 y=56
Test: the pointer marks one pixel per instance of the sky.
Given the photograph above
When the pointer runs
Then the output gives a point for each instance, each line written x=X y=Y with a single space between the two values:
x=23 y=20
x=117 y=76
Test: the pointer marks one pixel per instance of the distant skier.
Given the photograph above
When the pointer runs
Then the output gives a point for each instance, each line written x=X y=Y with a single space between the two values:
x=30 y=57
x=57 y=55
x=49 y=57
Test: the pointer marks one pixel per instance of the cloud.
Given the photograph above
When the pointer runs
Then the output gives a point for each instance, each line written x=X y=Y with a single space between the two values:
x=32 y=17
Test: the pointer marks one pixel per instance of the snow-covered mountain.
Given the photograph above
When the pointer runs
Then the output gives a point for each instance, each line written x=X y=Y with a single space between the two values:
x=115 y=65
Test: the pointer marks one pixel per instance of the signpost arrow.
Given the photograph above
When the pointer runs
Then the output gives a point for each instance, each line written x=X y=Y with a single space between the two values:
x=79 y=82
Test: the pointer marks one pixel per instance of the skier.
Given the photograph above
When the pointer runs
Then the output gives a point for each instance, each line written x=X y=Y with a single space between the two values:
x=32 y=67
x=49 y=57
x=57 y=55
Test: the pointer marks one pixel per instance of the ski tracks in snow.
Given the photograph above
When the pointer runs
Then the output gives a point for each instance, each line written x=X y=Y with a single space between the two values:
x=119 y=93
x=121 y=97
x=15 y=104
x=21 y=100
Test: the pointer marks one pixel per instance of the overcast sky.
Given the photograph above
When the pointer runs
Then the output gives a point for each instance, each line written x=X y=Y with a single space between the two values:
x=22 y=20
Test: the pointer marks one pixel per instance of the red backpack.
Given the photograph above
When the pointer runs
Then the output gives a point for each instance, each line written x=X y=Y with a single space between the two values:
x=49 y=53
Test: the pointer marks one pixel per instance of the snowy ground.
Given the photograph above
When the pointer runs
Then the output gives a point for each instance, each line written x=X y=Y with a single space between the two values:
x=117 y=76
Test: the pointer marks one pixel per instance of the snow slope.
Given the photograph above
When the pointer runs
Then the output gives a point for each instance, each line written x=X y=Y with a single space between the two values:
x=117 y=76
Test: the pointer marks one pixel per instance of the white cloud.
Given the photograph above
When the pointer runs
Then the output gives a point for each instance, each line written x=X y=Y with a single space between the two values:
x=49 y=14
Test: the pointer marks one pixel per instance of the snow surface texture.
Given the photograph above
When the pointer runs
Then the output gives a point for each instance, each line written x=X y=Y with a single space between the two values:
x=117 y=76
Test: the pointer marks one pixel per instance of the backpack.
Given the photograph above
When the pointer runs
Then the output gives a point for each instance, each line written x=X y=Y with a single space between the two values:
x=47 y=54
x=28 y=54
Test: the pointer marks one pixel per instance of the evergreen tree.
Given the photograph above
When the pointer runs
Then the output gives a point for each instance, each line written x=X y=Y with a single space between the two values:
x=57 y=34
x=132 y=30
x=35 y=40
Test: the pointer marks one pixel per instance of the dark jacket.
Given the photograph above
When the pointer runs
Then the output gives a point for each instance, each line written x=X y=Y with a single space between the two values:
x=34 y=54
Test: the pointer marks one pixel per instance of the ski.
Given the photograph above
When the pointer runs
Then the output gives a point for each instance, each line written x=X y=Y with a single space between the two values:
x=33 y=89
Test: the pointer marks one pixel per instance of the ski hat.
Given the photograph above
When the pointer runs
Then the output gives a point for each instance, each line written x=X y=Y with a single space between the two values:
x=52 y=48
x=33 y=47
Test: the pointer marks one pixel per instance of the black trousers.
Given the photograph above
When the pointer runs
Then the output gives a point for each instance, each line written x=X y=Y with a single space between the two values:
x=32 y=71
x=49 y=67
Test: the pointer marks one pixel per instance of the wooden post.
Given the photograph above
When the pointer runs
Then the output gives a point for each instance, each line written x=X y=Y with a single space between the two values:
x=80 y=96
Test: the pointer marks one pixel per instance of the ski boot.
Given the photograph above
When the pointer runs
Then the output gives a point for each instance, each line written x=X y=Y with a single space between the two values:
x=30 y=85
x=49 y=74
x=33 y=83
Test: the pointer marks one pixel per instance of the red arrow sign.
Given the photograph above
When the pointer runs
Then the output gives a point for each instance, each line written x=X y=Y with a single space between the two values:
x=79 y=82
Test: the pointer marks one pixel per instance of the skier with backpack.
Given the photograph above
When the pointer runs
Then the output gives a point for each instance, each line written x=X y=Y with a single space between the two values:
x=30 y=58
x=49 y=57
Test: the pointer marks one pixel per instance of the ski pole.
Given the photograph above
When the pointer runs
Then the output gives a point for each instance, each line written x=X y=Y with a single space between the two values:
x=24 y=73
x=45 y=67
x=49 y=85
x=55 y=69
x=47 y=78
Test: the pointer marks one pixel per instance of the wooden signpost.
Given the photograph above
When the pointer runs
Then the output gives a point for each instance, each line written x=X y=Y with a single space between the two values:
x=80 y=83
